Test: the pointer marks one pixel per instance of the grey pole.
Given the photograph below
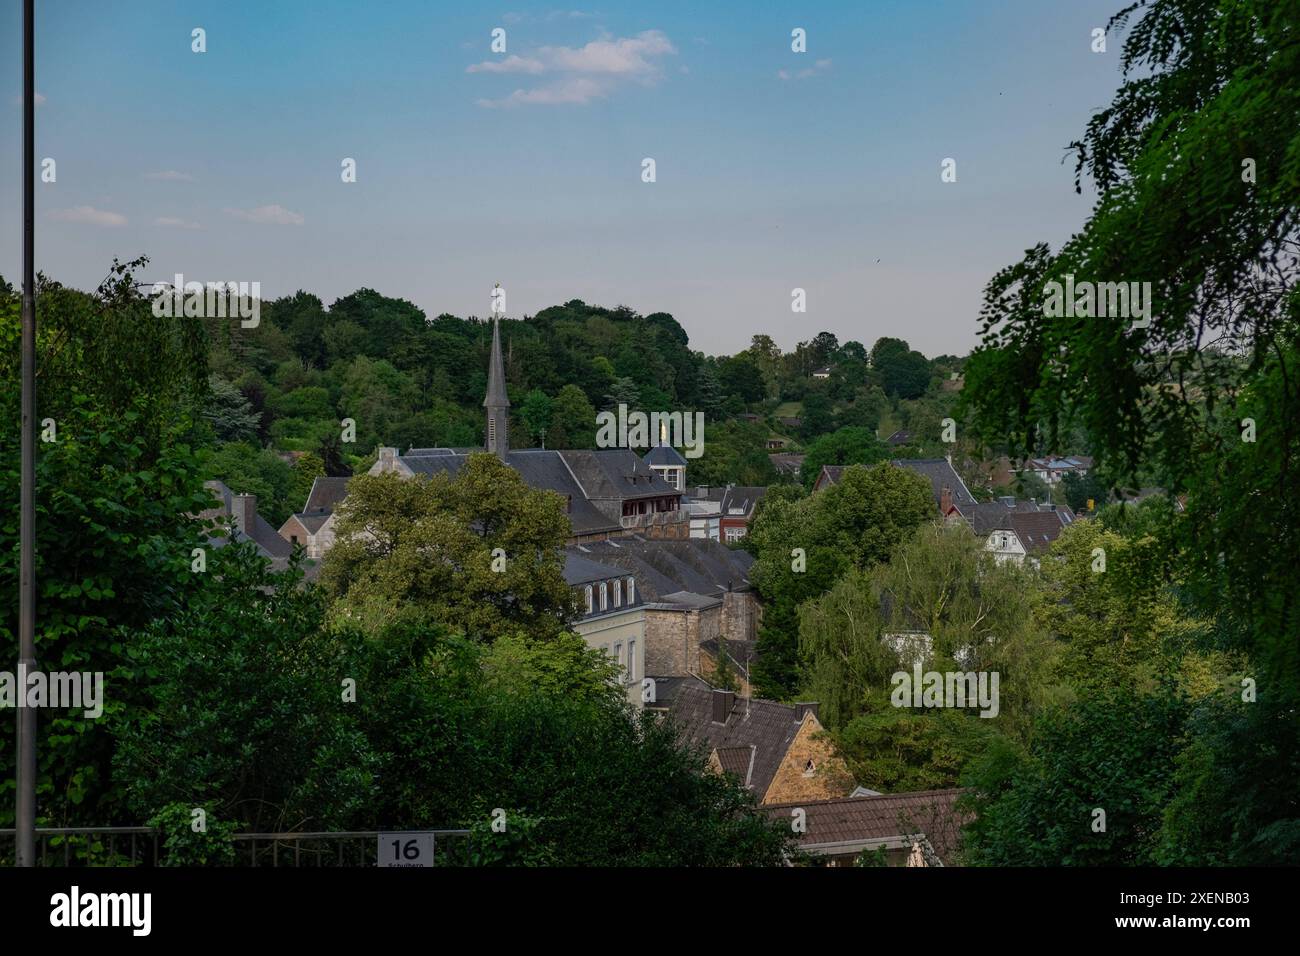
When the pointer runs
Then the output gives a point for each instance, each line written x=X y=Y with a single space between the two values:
x=25 y=818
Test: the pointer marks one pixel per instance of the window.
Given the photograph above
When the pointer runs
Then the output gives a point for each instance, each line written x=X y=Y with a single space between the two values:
x=809 y=768
x=631 y=591
x=604 y=596
x=618 y=594
x=735 y=534
x=618 y=654
x=590 y=606
x=492 y=432
x=631 y=661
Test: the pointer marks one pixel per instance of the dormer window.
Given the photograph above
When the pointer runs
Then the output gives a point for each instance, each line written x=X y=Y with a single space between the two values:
x=618 y=594
x=809 y=768
x=590 y=605
x=631 y=591
x=604 y=596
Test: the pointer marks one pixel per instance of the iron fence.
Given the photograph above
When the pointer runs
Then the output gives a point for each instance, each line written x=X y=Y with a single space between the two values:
x=139 y=847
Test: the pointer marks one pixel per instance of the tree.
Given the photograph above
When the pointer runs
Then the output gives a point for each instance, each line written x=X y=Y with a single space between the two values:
x=114 y=492
x=272 y=746
x=817 y=415
x=1195 y=162
x=536 y=412
x=1080 y=490
x=573 y=419
x=229 y=413
x=481 y=552
x=847 y=446
x=904 y=373
x=855 y=523
x=742 y=378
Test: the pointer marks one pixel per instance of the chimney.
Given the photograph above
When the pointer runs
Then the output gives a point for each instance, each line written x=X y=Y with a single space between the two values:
x=387 y=459
x=243 y=511
x=805 y=708
x=945 y=500
x=723 y=701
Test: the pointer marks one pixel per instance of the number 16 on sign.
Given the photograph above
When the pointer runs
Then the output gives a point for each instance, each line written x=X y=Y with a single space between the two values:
x=406 y=849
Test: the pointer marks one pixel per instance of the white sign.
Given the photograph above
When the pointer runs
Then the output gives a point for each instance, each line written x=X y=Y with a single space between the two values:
x=412 y=849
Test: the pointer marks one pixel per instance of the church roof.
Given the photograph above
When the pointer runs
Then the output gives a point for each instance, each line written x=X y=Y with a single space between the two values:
x=496 y=390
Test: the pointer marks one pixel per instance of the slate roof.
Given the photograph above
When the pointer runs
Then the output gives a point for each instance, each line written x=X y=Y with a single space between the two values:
x=615 y=473
x=541 y=469
x=900 y=437
x=267 y=539
x=664 y=568
x=849 y=820
x=667 y=689
x=664 y=455
x=325 y=494
x=940 y=474
x=832 y=473
x=765 y=725
x=579 y=570
x=312 y=522
x=786 y=463
x=742 y=497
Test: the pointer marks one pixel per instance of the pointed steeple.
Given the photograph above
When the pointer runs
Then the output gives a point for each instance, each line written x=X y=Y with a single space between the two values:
x=496 y=401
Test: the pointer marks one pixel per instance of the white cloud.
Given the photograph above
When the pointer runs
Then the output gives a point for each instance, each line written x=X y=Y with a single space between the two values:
x=585 y=73
x=821 y=66
x=174 y=223
x=89 y=215
x=170 y=176
x=511 y=64
x=275 y=215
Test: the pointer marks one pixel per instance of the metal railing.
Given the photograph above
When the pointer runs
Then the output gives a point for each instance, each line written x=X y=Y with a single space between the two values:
x=88 y=846
x=139 y=847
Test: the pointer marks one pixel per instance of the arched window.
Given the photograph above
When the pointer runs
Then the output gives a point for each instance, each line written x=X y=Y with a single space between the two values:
x=590 y=606
x=618 y=594
x=604 y=595
x=631 y=591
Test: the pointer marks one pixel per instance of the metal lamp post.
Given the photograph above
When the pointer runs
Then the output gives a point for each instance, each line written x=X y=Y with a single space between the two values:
x=25 y=815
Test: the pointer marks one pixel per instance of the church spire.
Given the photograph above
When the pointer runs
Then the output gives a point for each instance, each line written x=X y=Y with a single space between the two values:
x=496 y=401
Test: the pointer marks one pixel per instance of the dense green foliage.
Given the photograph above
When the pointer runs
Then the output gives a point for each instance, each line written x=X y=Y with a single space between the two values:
x=1197 y=161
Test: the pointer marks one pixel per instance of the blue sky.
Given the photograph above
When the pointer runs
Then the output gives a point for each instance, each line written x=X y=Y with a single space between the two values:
x=775 y=169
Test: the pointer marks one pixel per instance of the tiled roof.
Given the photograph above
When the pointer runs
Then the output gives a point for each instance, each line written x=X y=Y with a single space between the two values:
x=852 y=820
x=987 y=516
x=767 y=726
x=1036 y=530
x=738 y=761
